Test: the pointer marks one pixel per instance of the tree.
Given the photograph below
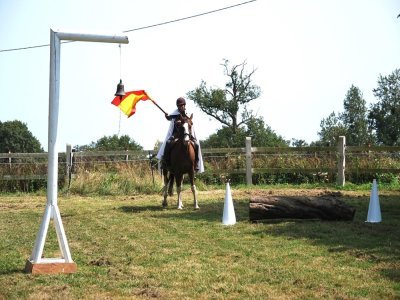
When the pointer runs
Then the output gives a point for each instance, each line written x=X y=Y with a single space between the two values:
x=262 y=136
x=331 y=128
x=299 y=143
x=16 y=137
x=354 y=118
x=108 y=143
x=229 y=105
x=384 y=116
x=224 y=138
x=352 y=123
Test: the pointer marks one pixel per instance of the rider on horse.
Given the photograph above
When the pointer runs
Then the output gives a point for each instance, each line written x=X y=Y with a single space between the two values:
x=176 y=117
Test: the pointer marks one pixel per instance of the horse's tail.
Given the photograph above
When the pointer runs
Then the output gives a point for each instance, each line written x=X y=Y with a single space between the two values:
x=168 y=182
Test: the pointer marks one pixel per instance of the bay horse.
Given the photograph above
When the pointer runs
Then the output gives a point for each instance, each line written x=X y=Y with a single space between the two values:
x=182 y=161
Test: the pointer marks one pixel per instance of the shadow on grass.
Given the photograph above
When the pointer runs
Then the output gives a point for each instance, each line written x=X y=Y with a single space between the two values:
x=210 y=211
x=139 y=209
x=373 y=242
x=13 y=270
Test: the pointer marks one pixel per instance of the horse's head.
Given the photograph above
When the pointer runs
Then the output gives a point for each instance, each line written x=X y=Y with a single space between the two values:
x=188 y=128
x=185 y=128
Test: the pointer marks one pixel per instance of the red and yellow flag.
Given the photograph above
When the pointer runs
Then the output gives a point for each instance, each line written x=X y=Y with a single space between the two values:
x=128 y=102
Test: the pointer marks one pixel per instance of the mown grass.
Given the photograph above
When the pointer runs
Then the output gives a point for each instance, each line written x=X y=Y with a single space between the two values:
x=129 y=247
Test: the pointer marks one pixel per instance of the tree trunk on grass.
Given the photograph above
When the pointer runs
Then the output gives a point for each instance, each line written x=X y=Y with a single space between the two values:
x=298 y=207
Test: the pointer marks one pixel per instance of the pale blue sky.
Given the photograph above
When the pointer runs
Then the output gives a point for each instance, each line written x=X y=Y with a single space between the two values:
x=307 y=55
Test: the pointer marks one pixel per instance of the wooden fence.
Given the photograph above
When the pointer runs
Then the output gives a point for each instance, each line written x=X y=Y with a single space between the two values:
x=334 y=162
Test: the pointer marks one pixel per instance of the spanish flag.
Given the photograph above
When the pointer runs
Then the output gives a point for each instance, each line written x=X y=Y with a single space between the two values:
x=128 y=102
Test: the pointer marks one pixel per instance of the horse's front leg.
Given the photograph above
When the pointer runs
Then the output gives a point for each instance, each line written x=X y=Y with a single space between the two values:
x=194 y=191
x=171 y=185
x=179 y=181
x=165 y=194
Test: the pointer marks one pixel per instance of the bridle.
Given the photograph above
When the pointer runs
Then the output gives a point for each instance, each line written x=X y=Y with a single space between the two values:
x=186 y=129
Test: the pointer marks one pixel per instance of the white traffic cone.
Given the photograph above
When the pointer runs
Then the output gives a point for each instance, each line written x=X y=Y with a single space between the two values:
x=228 y=217
x=374 y=210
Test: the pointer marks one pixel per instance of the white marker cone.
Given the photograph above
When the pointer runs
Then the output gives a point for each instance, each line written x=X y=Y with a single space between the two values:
x=374 y=210
x=228 y=217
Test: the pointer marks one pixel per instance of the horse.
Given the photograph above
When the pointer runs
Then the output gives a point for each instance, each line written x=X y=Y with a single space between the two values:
x=182 y=161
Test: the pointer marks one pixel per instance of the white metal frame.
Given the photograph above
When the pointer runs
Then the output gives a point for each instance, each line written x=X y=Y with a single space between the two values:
x=52 y=211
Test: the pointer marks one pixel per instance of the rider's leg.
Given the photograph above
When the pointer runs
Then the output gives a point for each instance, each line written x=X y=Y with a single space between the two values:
x=196 y=156
x=167 y=153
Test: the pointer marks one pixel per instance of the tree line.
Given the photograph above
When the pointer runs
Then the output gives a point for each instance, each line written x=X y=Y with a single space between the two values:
x=377 y=124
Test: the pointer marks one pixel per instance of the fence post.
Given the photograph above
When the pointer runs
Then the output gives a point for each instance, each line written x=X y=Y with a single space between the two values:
x=9 y=159
x=68 y=162
x=341 y=148
x=249 y=174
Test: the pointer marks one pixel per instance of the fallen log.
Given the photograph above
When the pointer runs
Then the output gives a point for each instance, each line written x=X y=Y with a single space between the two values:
x=299 y=207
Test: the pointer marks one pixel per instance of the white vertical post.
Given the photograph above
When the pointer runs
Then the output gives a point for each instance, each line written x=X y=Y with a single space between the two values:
x=52 y=210
x=341 y=166
x=54 y=88
x=249 y=174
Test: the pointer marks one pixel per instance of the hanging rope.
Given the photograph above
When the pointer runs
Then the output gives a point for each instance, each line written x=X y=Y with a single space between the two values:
x=120 y=76
x=120 y=61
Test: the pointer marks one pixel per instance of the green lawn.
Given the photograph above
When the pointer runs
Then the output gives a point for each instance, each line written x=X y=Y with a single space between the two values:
x=129 y=247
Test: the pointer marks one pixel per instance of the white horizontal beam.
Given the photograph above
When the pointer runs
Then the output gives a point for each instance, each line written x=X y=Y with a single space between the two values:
x=87 y=37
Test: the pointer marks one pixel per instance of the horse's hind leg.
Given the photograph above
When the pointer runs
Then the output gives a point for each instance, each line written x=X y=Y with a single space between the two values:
x=179 y=189
x=165 y=188
x=165 y=194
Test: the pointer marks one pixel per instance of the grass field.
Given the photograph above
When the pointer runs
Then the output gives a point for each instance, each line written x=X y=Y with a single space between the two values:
x=128 y=247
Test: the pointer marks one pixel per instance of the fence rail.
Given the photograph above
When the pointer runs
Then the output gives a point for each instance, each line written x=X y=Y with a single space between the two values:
x=337 y=161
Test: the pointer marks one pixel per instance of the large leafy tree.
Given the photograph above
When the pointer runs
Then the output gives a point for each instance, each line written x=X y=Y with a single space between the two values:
x=354 y=118
x=384 y=116
x=228 y=105
x=16 y=137
x=352 y=122
x=109 y=143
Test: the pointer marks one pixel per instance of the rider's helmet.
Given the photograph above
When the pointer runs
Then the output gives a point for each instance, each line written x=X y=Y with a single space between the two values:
x=180 y=101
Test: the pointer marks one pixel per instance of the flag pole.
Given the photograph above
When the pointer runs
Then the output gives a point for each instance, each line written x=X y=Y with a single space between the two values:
x=158 y=106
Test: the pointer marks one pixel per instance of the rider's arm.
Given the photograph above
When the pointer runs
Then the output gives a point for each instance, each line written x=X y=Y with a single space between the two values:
x=171 y=117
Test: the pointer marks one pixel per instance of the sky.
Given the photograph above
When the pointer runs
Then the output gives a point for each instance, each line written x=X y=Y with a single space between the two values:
x=306 y=55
